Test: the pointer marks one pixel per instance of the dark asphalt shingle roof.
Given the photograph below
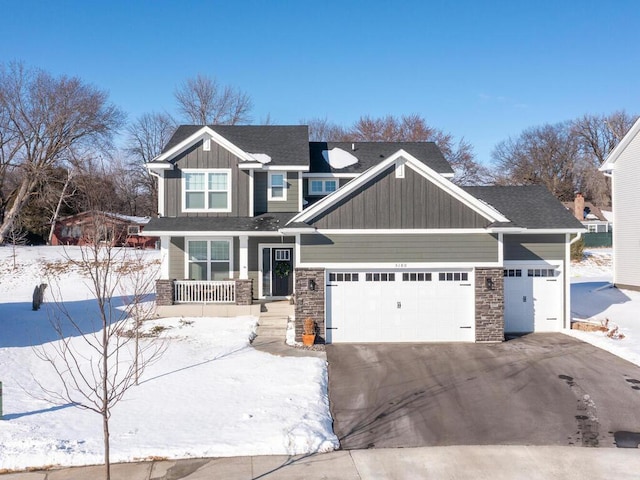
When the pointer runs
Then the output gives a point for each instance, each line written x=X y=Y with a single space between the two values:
x=529 y=206
x=267 y=222
x=285 y=144
x=372 y=153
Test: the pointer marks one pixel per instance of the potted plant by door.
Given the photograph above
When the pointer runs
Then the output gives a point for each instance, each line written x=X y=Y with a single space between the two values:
x=308 y=332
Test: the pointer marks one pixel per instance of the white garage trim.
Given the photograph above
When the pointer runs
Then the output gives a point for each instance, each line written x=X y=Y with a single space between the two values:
x=391 y=266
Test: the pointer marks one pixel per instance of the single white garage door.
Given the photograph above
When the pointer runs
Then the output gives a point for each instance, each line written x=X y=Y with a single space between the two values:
x=400 y=306
x=532 y=298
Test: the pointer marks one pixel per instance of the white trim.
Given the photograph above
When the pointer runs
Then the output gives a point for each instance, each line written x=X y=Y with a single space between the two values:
x=201 y=134
x=250 y=166
x=396 y=231
x=451 y=265
x=158 y=166
x=289 y=168
x=500 y=248
x=206 y=145
x=448 y=175
x=459 y=194
x=609 y=163
x=209 y=233
x=300 y=192
x=284 y=187
x=294 y=230
x=165 y=242
x=330 y=175
x=251 y=193
x=243 y=255
x=260 y=259
x=229 y=240
x=160 y=177
x=206 y=172
x=400 y=168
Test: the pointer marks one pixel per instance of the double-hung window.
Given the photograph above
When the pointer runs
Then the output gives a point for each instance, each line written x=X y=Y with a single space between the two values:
x=207 y=190
x=322 y=187
x=209 y=259
x=277 y=186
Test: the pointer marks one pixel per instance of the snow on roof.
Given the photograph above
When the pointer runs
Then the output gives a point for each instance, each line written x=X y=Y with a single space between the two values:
x=130 y=218
x=261 y=157
x=338 y=158
x=607 y=214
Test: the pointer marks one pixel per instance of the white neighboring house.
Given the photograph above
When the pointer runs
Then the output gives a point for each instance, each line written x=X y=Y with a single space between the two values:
x=623 y=166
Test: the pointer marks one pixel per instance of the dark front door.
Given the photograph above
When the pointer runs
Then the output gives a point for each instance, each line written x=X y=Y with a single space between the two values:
x=282 y=271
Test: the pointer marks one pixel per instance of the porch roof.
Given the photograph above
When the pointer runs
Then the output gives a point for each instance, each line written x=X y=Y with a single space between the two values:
x=266 y=222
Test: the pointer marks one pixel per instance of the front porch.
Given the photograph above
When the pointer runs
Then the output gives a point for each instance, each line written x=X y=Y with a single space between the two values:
x=197 y=298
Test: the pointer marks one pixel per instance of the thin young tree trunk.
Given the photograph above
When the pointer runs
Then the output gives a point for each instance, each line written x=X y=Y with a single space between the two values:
x=26 y=187
x=105 y=392
x=58 y=207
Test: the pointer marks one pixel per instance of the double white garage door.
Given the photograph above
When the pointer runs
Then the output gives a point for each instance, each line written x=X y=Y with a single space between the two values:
x=400 y=306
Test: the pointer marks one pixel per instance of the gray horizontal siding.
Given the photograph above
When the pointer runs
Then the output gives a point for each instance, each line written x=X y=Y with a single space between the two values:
x=399 y=248
x=534 y=247
x=390 y=202
x=176 y=258
x=217 y=157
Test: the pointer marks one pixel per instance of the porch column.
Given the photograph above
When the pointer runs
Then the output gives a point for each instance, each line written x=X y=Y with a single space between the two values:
x=244 y=257
x=164 y=255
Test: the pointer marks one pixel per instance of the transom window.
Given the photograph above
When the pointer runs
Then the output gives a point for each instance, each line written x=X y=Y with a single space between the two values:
x=343 y=277
x=283 y=255
x=453 y=276
x=541 y=272
x=208 y=259
x=322 y=187
x=512 y=272
x=416 y=277
x=277 y=186
x=207 y=190
x=380 y=277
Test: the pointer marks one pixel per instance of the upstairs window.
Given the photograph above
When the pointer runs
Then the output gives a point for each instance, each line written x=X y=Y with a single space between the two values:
x=277 y=186
x=322 y=187
x=207 y=191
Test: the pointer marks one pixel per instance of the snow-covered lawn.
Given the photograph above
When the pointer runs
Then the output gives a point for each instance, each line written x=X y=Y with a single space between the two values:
x=593 y=299
x=210 y=394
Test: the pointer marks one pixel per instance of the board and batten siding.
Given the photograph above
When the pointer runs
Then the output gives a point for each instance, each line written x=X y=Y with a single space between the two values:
x=626 y=227
x=387 y=202
x=196 y=157
x=261 y=204
x=398 y=248
x=534 y=247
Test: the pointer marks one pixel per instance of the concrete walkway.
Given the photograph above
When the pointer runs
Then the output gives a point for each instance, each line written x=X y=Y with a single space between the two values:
x=272 y=332
x=460 y=463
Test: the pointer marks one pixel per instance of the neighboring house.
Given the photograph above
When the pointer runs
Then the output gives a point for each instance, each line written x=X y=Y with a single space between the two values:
x=88 y=227
x=388 y=249
x=623 y=166
x=589 y=215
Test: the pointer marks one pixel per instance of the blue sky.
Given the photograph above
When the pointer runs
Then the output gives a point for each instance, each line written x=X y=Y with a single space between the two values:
x=479 y=70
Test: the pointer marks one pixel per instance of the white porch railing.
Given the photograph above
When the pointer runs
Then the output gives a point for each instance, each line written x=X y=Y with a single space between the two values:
x=199 y=291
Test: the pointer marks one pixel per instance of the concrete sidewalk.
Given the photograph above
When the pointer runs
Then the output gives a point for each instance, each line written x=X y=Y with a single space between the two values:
x=467 y=462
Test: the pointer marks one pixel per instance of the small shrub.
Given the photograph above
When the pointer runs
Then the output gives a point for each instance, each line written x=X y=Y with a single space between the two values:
x=577 y=250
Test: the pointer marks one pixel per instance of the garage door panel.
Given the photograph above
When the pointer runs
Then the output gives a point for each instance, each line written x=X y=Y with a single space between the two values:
x=400 y=306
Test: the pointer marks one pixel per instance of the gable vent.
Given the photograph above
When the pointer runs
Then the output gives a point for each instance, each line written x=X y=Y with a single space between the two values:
x=206 y=144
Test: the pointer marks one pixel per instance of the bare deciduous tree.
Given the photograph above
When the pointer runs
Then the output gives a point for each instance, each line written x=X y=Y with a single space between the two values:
x=545 y=155
x=203 y=101
x=407 y=128
x=98 y=360
x=45 y=119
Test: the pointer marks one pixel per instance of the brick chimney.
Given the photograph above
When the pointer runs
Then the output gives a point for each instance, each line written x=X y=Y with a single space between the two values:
x=578 y=207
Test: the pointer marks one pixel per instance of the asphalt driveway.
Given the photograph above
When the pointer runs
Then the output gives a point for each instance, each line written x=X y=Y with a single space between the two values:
x=540 y=389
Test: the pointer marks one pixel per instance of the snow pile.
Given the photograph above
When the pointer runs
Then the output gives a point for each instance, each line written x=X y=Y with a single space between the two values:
x=594 y=299
x=338 y=158
x=210 y=394
x=261 y=157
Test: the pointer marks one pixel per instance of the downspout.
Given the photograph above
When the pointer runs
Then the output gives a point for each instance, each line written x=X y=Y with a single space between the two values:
x=567 y=282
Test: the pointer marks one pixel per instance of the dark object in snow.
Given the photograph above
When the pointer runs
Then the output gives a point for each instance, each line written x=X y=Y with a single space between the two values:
x=38 y=295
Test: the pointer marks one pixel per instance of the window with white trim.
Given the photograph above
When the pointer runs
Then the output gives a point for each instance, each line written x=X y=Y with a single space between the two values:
x=206 y=190
x=133 y=229
x=283 y=255
x=344 y=277
x=453 y=276
x=277 y=186
x=209 y=259
x=322 y=186
x=591 y=228
x=542 y=272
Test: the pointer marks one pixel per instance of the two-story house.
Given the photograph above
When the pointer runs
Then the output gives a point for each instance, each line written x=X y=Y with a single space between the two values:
x=372 y=239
